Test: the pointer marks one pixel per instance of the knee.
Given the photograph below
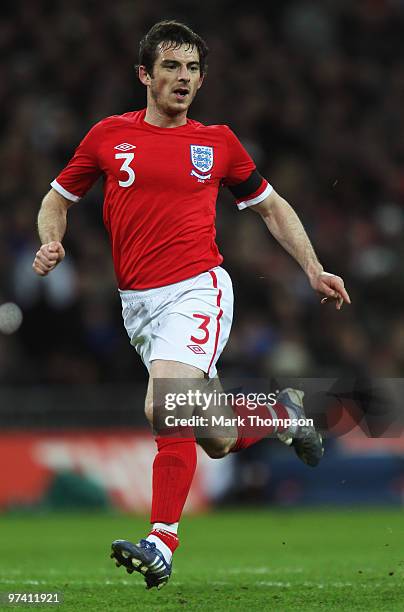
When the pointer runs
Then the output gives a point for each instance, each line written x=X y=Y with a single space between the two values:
x=216 y=453
x=155 y=414
x=148 y=410
x=217 y=448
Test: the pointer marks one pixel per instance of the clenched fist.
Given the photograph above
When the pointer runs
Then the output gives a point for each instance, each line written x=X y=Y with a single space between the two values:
x=48 y=257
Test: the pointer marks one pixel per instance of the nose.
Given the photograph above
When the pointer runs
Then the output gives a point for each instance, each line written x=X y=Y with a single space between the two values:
x=183 y=74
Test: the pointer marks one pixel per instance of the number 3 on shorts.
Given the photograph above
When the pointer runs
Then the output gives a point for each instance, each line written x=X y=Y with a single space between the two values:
x=204 y=327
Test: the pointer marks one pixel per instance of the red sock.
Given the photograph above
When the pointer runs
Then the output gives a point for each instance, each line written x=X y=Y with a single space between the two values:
x=251 y=434
x=173 y=471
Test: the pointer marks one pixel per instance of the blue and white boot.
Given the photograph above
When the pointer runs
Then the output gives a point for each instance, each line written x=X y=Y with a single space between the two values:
x=143 y=557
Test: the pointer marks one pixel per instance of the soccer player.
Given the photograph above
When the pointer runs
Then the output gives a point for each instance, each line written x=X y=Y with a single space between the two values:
x=162 y=172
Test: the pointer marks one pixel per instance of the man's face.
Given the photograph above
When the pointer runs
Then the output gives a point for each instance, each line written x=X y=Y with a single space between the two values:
x=176 y=78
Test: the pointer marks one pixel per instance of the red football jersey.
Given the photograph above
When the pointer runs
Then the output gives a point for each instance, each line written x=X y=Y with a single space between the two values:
x=160 y=191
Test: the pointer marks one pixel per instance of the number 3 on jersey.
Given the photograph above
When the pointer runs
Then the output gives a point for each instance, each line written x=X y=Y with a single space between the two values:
x=128 y=157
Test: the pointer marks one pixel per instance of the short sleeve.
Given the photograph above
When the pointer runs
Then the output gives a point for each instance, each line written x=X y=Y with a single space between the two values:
x=83 y=169
x=240 y=164
x=244 y=181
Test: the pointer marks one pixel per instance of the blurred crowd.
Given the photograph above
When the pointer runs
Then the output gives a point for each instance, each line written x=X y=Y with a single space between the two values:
x=315 y=91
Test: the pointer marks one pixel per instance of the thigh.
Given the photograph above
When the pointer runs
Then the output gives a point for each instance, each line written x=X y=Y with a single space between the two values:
x=163 y=369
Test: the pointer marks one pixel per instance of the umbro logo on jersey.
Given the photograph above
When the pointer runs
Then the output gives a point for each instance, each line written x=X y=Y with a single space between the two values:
x=125 y=146
x=195 y=348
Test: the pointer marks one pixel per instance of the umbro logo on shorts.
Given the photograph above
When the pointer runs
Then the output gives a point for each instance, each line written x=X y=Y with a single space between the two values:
x=125 y=146
x=195 y=348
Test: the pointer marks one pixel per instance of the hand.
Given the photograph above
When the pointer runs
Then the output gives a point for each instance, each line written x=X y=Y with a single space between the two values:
x=48 y=257
x=332 y=287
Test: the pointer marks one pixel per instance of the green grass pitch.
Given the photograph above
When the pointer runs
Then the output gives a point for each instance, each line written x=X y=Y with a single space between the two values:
x=228 y=560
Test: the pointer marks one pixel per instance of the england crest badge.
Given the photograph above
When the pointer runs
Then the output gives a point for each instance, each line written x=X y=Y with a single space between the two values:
x=202 y=161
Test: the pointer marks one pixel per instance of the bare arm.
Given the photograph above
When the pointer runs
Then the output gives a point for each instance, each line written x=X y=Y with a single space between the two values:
x=286 y=227
x=52 y=217
x=52 y=221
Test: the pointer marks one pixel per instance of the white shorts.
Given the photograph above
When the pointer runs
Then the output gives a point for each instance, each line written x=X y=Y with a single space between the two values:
x=189 y=321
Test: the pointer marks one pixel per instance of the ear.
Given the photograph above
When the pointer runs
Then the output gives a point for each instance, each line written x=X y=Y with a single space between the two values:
x=144 y=76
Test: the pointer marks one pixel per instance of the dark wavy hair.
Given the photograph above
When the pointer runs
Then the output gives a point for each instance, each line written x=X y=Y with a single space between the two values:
x=175 y=34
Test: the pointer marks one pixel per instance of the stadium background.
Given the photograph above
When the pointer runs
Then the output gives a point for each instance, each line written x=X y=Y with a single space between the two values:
x=315 y=91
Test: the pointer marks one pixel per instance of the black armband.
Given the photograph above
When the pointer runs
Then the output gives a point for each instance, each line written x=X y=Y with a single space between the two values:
x=247 y=187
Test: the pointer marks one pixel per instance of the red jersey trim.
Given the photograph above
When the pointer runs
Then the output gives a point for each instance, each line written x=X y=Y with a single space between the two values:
x=255 y=198
x=66 y=194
